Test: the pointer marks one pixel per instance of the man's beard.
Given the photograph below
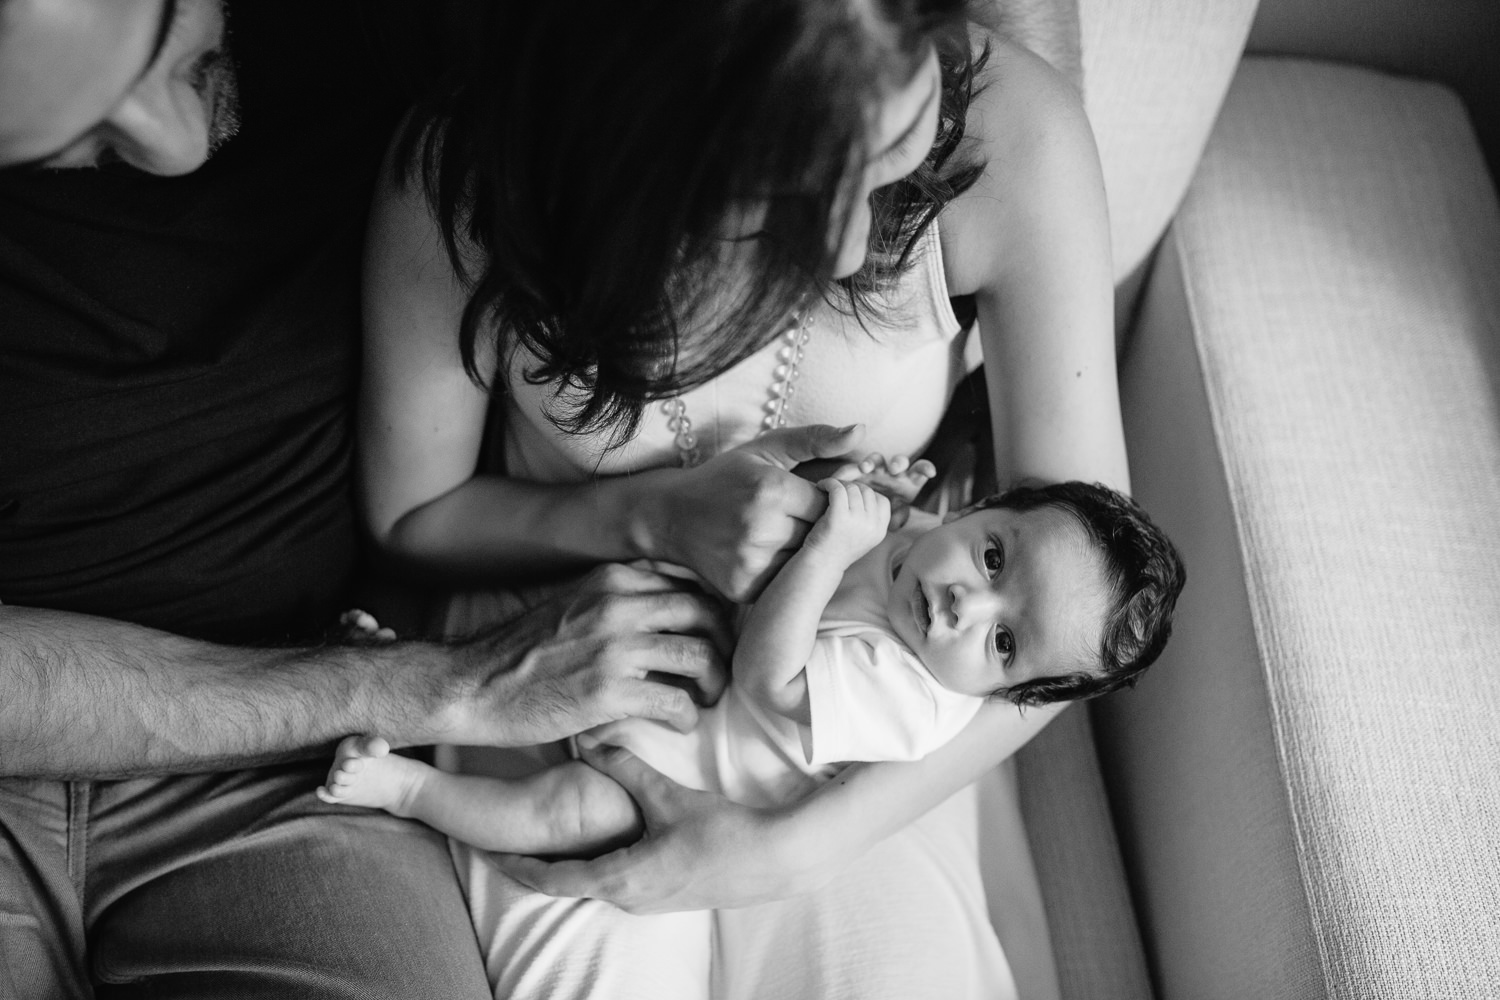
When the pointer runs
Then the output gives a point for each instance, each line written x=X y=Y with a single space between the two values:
x=215 y=71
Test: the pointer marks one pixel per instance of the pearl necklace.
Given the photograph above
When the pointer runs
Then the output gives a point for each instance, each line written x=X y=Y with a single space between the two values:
x=778 y=394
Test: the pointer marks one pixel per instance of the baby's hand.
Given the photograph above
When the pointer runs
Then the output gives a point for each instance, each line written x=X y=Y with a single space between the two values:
x=898 y=477
x=854 y=523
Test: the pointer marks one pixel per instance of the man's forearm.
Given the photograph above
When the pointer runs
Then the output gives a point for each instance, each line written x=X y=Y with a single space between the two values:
x=92 y=698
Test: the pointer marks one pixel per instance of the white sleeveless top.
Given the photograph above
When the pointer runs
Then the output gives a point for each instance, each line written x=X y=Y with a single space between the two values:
x=895 y=377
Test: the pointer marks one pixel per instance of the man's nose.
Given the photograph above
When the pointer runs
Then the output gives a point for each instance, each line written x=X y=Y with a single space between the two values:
x=161 y=129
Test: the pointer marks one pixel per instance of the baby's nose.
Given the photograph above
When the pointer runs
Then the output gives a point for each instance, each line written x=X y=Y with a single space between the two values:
x=970 y=604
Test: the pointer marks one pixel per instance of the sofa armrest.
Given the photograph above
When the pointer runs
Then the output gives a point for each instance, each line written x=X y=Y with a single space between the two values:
x=1308 y=784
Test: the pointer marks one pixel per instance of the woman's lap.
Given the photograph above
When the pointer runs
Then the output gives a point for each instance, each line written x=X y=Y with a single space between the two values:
x=905 y=921
x=570 y=949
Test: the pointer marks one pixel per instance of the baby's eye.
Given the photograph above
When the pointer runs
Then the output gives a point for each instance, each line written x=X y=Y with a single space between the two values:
x=994 y=559
x=1005 y=643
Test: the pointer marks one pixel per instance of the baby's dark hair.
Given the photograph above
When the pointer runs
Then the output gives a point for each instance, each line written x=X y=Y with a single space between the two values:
x=1143 y=571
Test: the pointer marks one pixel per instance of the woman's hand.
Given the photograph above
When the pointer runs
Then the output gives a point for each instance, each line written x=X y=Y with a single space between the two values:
x=700 y=850
x=738 y=517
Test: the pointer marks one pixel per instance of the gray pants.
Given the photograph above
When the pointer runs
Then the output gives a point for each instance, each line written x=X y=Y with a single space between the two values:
x=215 y=885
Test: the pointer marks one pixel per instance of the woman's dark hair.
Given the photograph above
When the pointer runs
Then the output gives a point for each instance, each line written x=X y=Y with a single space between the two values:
x=1144 y=573
x=582 y=161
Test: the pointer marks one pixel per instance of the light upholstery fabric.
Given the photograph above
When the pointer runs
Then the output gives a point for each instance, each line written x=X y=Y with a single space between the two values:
x=1096 y=945
x=1309 y=785
x=1154 y=75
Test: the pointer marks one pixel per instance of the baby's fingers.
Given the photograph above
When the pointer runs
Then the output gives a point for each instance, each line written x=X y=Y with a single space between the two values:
x=838 y=494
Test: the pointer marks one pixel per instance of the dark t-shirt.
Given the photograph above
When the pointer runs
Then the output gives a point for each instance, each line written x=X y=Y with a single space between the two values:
x=178 y=355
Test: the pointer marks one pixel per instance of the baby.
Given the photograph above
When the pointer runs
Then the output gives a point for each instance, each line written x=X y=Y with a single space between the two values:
x=868 y=645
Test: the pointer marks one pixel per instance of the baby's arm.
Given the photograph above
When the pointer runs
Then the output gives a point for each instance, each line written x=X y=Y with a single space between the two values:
x=777 y=640
x=566 y=809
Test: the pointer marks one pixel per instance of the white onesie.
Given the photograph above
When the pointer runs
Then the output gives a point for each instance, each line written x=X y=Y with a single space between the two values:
x=870 y=698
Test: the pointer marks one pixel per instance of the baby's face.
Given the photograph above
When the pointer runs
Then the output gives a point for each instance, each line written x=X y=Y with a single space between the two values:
x=998 y=597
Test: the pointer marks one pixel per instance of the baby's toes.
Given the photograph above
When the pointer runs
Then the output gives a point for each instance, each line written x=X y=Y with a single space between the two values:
x=349 y=747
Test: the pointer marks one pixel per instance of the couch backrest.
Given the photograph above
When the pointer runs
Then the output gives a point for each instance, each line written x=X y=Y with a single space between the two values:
x=1454 y=42
x=1154 y=74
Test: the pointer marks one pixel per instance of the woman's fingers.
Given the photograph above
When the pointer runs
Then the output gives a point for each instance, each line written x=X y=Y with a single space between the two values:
x=660 y=800
x=551 y=878
x=791 y=446
x=653 y=791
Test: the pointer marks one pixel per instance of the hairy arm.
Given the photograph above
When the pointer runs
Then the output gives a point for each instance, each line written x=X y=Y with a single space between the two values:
x=90 y=697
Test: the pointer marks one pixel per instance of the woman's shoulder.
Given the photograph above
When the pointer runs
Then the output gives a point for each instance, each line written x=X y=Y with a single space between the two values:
x=1027 y=126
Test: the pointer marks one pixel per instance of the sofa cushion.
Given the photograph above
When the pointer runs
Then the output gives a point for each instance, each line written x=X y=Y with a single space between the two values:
x=1154 y=75
x=1091 y=928
x=1308 y=785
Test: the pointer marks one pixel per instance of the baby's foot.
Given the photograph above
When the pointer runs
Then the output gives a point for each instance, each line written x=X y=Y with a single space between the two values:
x=366 y=773
x=897 y=477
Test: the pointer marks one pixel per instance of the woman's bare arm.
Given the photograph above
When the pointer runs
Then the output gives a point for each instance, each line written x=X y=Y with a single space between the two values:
x=702 y=851
x=734 y=520
x=1030 y=241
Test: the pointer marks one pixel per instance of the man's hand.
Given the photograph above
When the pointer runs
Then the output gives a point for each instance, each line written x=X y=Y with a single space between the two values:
x=738 y=517
x=628 y=641
x=700 y=851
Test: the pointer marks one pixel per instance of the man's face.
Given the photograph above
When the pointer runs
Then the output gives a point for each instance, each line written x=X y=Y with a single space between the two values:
x=87 y=82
